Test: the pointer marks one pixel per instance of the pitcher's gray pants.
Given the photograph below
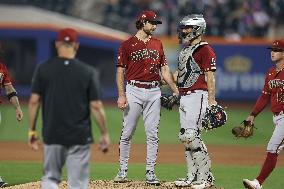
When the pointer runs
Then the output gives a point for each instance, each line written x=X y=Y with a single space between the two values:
x=77 y=163
x=145 y=102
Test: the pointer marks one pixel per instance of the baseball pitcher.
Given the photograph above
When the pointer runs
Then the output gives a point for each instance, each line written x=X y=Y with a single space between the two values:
x=141 y=59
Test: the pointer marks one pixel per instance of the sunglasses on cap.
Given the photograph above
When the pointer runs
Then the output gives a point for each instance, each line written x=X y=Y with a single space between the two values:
x=153 y=22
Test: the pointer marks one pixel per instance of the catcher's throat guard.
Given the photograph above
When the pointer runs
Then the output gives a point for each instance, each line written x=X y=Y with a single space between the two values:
x=215 y=116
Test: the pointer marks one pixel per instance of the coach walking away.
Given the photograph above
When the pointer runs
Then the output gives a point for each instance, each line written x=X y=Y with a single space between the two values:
x=66 y=89
x=6 y=83
x=273 y=92
x=141 y=60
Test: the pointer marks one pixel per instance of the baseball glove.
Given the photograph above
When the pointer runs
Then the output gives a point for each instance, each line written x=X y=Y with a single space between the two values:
x=215 y=116
x=245 y=129
x=168 y=101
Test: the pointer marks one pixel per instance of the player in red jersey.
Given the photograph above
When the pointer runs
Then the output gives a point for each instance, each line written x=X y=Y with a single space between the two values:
x=196 y=84
x=273 y=92
x=6 y=83
x=141 y=61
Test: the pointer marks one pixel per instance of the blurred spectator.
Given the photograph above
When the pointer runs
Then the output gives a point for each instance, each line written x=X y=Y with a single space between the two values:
x=225 y=18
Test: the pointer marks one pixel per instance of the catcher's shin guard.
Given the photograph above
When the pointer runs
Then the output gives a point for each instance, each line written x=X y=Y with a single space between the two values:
x=191 y=166
x=203 y=164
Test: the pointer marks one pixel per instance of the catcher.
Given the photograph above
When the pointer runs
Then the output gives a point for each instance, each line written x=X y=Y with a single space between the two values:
x=196 y=83
x=273 y=92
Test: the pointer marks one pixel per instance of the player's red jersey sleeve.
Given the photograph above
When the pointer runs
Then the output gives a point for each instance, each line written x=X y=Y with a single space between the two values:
x=121 y=62
x=5 y=78
x=208 y=58
x=263 y=99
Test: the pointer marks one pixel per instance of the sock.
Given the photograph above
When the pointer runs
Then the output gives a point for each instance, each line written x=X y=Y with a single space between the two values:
x=268 y=166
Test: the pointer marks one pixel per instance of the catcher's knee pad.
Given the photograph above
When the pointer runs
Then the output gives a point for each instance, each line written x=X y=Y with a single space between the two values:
x=190 y=138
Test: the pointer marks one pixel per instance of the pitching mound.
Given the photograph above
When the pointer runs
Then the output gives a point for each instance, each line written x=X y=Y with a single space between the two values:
x=106 y=184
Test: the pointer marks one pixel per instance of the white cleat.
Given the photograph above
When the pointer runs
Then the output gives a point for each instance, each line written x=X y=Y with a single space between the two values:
x=121 y=176
x=251 y=184
x=203 y=185
x=183 y=183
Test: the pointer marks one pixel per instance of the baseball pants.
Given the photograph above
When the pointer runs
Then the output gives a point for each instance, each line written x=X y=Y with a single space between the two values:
x=276 y=143
x=145 y=102
x=77 y=163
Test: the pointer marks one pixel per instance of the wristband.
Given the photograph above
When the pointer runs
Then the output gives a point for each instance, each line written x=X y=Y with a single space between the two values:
x=32 y=133
x=10 y=95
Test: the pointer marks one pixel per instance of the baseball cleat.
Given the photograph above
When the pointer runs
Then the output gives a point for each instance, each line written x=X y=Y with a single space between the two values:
x=3 y=183
x=182 y=183
x=121 y=176
x=251 y=184
x=151 y=178
x=203 y=185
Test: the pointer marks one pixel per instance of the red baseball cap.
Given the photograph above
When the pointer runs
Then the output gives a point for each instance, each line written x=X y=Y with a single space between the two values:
x=67 y=35
x=277 y=45
x=148 y=15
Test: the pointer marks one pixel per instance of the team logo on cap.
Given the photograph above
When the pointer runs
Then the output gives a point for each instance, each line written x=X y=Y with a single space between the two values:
x=67 y=38
x=143 y=16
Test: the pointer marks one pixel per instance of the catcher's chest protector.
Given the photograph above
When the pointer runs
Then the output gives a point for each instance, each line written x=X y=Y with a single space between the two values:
x=188 y=69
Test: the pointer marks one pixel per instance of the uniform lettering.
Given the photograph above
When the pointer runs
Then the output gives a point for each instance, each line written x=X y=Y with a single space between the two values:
x=144 y=54
x=276 y=83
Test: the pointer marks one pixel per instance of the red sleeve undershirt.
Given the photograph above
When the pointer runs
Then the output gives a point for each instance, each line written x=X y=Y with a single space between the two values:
x=260 y=104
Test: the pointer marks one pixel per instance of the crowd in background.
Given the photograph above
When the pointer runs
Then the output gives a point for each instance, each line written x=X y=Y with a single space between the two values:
x=225 y=18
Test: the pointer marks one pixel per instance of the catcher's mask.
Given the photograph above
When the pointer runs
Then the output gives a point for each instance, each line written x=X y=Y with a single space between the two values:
x=194 y=21
x=215 y=117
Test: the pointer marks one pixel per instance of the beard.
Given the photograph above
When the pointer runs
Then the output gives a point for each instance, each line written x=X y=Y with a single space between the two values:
x=148 y=31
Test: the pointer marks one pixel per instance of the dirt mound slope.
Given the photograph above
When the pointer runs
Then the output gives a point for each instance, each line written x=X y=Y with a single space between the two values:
x=106 y=184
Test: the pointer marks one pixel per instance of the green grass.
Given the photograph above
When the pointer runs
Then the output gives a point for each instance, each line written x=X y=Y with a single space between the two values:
x=11 y=130
x=229 y=177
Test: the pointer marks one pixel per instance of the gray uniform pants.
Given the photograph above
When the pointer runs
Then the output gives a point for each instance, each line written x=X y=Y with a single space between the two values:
x=77 y=163
x=145 y=102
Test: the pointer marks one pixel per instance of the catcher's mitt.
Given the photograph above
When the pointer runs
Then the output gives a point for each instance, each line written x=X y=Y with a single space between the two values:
x=168 y=101
x=215 y=116
x=245 y=129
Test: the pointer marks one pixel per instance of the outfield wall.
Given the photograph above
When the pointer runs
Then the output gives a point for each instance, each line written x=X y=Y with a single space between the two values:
x=240 y=75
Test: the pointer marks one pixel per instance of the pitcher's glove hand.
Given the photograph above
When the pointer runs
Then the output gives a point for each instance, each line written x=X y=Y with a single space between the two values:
x=245 y=129
x=168 y=101
x=215 y=116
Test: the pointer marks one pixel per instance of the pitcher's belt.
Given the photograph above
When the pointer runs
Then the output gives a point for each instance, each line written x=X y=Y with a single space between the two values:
x=144 y=84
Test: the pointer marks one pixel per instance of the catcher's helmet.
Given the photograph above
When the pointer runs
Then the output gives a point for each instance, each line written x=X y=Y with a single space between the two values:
x=198 y=24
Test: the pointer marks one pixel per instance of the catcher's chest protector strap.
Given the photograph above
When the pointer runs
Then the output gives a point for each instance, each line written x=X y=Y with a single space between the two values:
x=188 y=69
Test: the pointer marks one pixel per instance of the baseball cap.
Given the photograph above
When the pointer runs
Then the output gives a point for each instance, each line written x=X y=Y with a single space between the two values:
x=277 y=45
x=67 y=35
x=148 y=15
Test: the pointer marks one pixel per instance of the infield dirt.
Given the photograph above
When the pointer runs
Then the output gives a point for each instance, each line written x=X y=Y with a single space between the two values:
x=171 y=153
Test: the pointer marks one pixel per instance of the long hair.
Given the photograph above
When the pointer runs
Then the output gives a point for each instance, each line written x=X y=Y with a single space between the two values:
x=139 y=24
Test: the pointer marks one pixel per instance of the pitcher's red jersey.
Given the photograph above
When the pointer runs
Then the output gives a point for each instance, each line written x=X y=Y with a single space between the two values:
x=142 y=60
